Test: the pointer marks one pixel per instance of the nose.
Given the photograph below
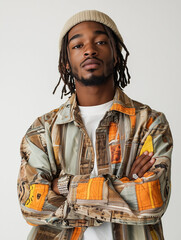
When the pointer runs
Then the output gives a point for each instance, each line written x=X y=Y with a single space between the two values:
x=90 y=50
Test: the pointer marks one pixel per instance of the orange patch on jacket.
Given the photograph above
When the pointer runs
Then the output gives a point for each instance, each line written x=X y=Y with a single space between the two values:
x=148 y=174
x=91 y=190
x=115 y=149
x=120 y=108
x=32 y=224
x=38 y=193
x=127 y=180
x=113 y=128
x=149 y=195
x=150 y=121
x=76 y=233
x=115 y=153
x=133 y=121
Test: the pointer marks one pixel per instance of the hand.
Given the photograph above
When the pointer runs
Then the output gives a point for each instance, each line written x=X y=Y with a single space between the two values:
x=141 y=165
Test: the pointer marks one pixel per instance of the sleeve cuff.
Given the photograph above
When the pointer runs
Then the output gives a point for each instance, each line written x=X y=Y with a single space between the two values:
x=63 y=184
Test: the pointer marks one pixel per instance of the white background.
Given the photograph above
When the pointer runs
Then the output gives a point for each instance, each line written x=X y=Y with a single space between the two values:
x=29 y=33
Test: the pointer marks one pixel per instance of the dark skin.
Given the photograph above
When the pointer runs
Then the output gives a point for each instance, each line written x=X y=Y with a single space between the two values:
x=91 y=55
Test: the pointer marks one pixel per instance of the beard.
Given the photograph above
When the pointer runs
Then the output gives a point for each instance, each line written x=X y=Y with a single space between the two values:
x=93 y=80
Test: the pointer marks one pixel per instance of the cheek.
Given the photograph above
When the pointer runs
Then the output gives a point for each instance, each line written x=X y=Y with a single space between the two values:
x=108 y=55
x=74 y=67
x=74 y=61
x=109 y=61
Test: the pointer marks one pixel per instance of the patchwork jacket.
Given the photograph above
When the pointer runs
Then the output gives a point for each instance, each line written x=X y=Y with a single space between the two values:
x=57 y=145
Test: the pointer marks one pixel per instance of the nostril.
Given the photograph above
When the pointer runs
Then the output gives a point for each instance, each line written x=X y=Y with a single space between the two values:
x=89 y=53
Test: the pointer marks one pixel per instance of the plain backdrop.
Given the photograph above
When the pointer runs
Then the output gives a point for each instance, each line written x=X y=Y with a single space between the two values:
x=29 y=33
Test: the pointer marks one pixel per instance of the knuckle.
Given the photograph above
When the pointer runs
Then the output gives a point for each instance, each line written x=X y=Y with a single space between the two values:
x=147 y=158
x=149 y=164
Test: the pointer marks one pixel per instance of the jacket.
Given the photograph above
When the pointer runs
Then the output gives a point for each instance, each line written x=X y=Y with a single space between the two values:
x=57 y=145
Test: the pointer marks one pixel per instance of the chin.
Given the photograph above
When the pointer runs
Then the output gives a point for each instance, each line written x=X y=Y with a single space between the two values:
x=93 y=80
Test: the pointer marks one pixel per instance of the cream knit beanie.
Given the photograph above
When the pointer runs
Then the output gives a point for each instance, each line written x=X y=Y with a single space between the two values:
x=89 y=15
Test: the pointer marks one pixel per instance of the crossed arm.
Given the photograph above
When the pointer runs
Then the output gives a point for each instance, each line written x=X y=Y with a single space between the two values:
x=140 y=201
x=140 y=166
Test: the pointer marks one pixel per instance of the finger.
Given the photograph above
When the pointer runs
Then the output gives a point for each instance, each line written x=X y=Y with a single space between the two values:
x=143 y=161
x=138 y=159
x=146 y=167
x=145 y=157
x=142 y=164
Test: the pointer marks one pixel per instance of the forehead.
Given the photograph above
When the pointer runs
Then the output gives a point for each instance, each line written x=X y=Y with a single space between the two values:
x=84 y=27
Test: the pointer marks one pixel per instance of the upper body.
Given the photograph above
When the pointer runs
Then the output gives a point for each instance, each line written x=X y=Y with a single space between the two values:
x=56 y=189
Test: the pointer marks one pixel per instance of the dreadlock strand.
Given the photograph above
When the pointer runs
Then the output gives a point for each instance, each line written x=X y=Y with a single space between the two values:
x=57 y=85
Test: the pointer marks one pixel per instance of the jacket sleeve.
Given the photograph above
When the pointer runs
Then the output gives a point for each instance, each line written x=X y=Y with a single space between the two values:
x=142 y=201
x=39 y=204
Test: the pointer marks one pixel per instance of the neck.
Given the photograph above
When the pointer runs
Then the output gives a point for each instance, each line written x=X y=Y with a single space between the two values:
x=94 y=95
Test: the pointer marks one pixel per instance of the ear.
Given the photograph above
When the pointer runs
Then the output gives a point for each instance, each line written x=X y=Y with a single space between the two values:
x=67 y=66
x=115 y=60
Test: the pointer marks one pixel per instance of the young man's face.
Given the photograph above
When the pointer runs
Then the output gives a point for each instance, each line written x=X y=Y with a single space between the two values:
x=90 y=54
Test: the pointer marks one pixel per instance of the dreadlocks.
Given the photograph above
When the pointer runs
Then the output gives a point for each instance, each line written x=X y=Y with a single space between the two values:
x=121 y=73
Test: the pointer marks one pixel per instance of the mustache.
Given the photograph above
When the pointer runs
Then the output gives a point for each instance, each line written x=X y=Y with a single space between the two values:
x=82 y=63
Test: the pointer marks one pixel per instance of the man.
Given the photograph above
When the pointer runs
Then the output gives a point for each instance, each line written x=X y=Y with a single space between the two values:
x=99 y=166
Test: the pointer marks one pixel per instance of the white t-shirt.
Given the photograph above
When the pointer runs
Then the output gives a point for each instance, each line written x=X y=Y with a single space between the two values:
x=91 y=117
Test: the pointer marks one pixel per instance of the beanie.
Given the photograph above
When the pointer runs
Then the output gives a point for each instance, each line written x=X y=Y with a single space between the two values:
x=89 y=15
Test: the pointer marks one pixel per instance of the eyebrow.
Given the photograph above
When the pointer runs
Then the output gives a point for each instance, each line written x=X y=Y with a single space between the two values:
x=97 y=32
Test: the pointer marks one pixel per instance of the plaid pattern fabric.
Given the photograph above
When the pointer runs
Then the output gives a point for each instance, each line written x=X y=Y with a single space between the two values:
x=57 y=145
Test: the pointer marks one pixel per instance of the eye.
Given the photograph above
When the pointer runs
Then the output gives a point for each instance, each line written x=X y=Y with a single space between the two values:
x=77 y=46
x=101 y=42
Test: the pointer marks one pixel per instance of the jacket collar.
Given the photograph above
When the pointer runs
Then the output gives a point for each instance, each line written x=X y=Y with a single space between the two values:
x=121 y=103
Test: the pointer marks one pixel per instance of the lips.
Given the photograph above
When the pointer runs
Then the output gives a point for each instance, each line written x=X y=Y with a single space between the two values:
x=91 y=64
